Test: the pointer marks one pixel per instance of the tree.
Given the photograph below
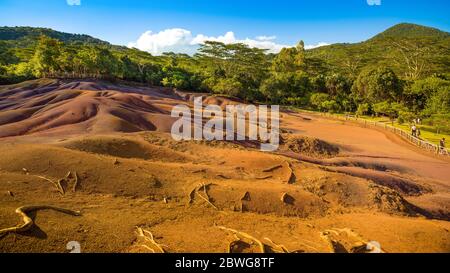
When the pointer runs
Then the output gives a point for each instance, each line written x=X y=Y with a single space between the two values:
x=439 y=102
x=318 y=99
x=419 y=93
x=290 y=59
x=412 y=53
x=330 y=106
x=129 y=70
x=105 y=63
x=45 y=59
x=7 y=55
x=230 y=87
x=377 y=85
x=363 y=109
x=384 y=108
x=337 y=85
x=232 y=65
x=440 y=122
x=283 y=85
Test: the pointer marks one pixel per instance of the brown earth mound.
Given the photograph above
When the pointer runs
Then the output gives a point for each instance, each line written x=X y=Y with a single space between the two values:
x=309 y=146
x=60 y=107
x=124 y=148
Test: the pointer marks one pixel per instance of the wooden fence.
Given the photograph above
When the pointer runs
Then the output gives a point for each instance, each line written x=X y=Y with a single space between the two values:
x=405 y=135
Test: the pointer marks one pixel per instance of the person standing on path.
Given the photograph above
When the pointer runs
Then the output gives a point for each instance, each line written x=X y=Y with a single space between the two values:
x=414 y=130
x=442 y=145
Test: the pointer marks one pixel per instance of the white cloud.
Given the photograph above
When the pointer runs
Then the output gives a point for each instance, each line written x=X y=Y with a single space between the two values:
x=182 y=41
x=176 y=39
x=316 y=45
x=73 y=2
x=266 y=38
x=228 y=38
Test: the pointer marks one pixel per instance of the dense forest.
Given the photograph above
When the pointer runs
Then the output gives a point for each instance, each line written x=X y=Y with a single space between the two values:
x=402 y=73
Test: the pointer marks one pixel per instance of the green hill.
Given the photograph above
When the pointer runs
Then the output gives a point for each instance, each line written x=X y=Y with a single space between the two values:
x=27 y=36
x=388 y=49
x=17 y=43
x=406 y=30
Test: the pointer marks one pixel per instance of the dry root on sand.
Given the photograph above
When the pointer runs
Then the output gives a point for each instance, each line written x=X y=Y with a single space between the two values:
x=264 y=177
x=291 y=177
x=57 y=184
x=240 y=236
x=205 y=196
x=149 y=242
x=223 y=176
x=28 y=222
x=75 y=184
x=271 y=169
x=261 y=247
x=346 y=240
x=64 y=181
x=280 y=248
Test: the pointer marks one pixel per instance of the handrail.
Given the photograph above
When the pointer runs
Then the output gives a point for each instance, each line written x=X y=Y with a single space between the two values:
x=405 y=135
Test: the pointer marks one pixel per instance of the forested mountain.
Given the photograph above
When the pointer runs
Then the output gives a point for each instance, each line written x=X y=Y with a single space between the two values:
x=27 y=36
x=401 y=73
x=412 y=51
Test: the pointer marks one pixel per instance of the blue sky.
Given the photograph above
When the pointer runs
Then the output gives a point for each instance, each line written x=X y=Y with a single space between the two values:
x=129 y=22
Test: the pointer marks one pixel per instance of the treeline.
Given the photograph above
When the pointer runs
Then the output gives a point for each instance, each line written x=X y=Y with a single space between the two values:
x=288 y=78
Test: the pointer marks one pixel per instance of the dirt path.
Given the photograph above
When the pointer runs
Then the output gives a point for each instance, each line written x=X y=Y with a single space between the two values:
x=370 y=145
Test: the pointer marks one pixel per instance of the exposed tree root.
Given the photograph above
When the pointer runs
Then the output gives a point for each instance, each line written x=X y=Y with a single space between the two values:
x=360 y=245
x=63 y=181
x=75 y=184
x=277 y=248
x=264 y=177
x=207 y=201
x=148 y=238
x=60 y=187
x=271 y=169
x=309 y=246
x=242 y=235
x=57 y=184
x=223 y=176
x=196 y=191
x=291 y=179
x=28 y=222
